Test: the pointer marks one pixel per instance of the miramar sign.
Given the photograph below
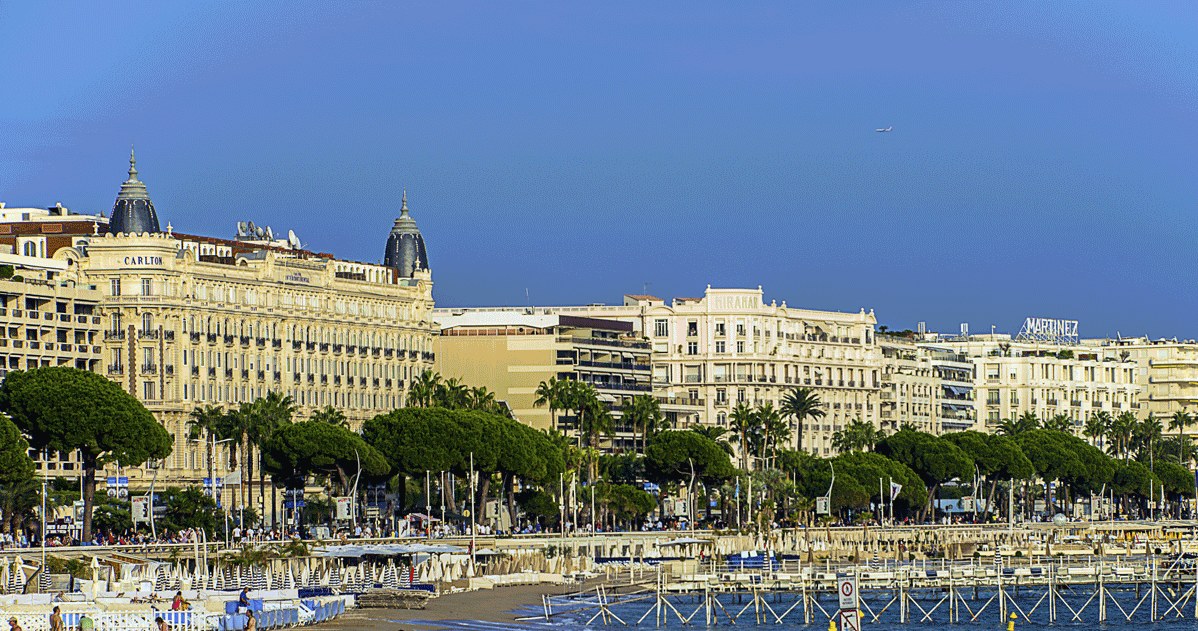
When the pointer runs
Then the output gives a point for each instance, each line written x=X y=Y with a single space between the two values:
x=296 y=277
x=143 y=261
x=735 y=302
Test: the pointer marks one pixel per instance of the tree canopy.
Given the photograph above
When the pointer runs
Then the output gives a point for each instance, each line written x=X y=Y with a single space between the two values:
x=671 y=455
x=63 y=409
x=297 y=450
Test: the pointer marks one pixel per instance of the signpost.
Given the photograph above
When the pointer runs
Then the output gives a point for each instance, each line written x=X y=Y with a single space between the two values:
x=822 y=505
x=846 y=591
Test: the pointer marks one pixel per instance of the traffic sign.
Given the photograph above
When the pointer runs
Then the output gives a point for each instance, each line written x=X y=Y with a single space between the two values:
x=850 y=620
x=823 y=505
x=846 y=589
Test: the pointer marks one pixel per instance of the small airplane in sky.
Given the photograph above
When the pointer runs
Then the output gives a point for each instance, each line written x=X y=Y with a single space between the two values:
x=883 y=130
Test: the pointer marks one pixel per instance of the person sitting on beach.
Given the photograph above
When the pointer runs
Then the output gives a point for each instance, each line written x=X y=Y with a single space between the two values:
x=178 y=604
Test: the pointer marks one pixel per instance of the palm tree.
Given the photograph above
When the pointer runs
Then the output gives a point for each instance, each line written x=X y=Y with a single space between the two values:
x=423 y=390
x=1097 y=427
x=206 y=423
x=480 y=398
x=598 y=422
x=452 y=394
x=802 y=404
x=1146 y=434
x=715 y=434
x=773 y=428
x=1013 y=427
x=270 y=412
x=743 y=423
x=549 y=394
x=1121 y=431
x=643 y=413
x=1179 y=422
x=858 y=435
x=1058 y=422
x=331 y=415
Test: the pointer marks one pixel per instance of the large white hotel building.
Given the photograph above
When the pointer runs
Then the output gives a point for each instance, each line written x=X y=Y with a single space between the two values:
x=182 y=321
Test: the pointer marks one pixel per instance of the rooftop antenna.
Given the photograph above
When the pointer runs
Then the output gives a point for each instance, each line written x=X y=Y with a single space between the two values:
x=527 y=302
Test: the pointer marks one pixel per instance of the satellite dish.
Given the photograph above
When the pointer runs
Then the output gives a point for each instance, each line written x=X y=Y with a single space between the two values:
x=251 y=228
x=241 y=228
x=292 y=239
x=260 y=232
x=269 y=234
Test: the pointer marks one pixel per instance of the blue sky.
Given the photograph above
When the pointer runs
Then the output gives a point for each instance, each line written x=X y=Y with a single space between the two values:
x=1041 y=163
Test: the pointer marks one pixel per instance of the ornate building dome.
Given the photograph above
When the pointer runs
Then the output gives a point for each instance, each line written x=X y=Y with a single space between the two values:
x=133 y=211
x=405 y=245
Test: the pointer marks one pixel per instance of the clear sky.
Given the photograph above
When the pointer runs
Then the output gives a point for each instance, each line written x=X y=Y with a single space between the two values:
x=1042 y=160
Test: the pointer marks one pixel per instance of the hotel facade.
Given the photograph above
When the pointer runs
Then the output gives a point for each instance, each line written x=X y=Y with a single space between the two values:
x=730 y=346
x=183 y=321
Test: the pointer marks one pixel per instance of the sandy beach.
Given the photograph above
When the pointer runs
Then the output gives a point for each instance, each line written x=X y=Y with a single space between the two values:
x=488 y=605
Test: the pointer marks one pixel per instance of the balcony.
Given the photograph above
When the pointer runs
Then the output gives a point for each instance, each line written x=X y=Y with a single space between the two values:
x=212 y=338
x=212 y=372
x=324 y=348
x=295 y=346
x=116 y=369
x=149 y=335
x=413 y=354
x=310 y=346
x=276 y=344
x=245 y=373
x=376 y=352
x=228 y=373
x=168 y=370
x=389 y=352
x=170 y=335
x=228 y=339
x=195 y=371
x=351 y=349
x=149 y=369
x=260 y=342
x=245 y=340
x=114 y=335
x=337 y=380
x=261 y=375
x=296 y=377
x=338 y=348
x=195 y=337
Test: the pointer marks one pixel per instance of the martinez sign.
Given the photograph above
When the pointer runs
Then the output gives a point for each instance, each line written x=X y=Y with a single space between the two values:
x=1049 y=330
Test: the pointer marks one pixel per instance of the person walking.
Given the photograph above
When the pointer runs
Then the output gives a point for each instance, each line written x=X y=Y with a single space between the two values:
x=161 y=624
x=251 y=621
x=56 y=620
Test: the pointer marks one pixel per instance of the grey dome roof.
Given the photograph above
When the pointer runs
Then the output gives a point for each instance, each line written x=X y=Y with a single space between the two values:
x=405 y=245
x=133 y=211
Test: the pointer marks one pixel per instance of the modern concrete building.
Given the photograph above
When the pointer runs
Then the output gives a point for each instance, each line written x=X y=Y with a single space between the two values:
x=512 y=353
x=730 y=346
x=1166 y=370
x=909 y=388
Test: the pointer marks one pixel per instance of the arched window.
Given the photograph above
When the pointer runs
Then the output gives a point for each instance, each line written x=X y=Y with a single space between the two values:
x=29 y=249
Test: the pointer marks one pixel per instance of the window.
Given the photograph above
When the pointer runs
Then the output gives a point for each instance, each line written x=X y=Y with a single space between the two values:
x=29 y=249
x=148 y=391
x=116 y=322
x=146 y=287
x=740 y=327
x=147 y=322
x=692 y=348
x=692 y=328
x=740 y=395
x=719 y=347
x=740 y=346
x=992 y=397
x=115 y=284
x=661 y=328
x=116 y=357
x=719 y=329
x=721 y=395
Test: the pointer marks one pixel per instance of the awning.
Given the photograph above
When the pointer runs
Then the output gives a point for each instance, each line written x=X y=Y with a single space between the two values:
x=958 y=390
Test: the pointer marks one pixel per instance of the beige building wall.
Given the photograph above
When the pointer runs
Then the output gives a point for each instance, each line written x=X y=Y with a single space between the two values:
x=511 y=366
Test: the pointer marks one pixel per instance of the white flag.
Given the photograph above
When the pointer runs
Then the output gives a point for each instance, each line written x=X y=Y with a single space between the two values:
x=894 y=490
x=233 y=478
